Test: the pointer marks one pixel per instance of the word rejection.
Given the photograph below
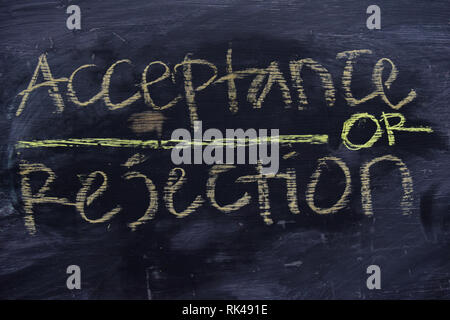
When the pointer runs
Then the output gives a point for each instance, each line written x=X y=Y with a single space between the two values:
x=96 y=183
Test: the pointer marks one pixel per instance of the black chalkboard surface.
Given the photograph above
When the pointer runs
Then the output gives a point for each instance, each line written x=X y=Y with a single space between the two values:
x=92 y=91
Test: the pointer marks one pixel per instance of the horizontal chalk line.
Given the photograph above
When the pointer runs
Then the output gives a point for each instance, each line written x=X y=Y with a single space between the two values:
x=166 y=144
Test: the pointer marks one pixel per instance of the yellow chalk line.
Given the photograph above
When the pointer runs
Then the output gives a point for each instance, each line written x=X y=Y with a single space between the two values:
x=165 y=144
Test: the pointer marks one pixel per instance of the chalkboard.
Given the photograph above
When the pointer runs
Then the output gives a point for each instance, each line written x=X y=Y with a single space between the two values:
x=92 y=92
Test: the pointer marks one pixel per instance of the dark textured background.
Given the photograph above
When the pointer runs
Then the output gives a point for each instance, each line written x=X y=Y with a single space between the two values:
x=211 y=255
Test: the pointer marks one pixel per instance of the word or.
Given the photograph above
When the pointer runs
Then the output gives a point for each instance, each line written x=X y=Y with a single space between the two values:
x=374 y=21
x=74 y=280
x=390 y=128
x=374 y=281
x=213 y=153
x=262 y=83
x=74 y=20
x=87 y=193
